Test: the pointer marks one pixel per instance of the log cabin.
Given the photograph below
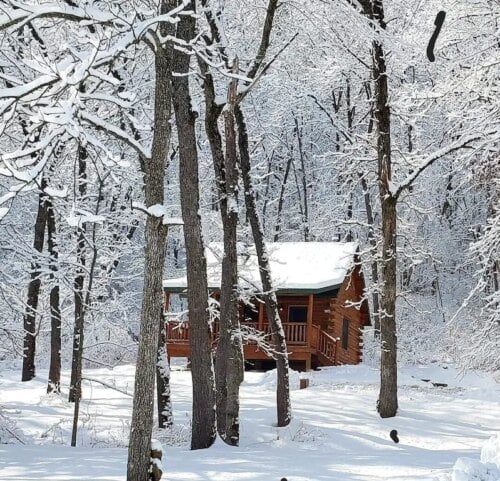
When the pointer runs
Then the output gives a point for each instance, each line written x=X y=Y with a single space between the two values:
x=320 y=290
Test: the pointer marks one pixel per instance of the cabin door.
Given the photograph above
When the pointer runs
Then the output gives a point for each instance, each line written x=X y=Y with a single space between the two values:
x=297 y=313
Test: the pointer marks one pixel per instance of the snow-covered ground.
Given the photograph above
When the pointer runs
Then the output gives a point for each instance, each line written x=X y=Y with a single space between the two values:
x=336 y=433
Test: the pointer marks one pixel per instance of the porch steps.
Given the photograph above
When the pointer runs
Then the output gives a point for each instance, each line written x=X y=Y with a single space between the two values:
x=327 y=349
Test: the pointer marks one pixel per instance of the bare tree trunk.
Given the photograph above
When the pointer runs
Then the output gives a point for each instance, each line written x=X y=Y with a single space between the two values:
x=283 y=383
x=203 y=423
x=229 y=355
x=350 y=124
x=305 y=210
x=281 y=198
x=373 y=249
x=388 y=397
x=29 y=349
x=78 y=286
x=54 y=382
x=370 y=218
x=212 y=114
x=163 y=398
x=232 y=354
x=85 y=303
x=141 y=427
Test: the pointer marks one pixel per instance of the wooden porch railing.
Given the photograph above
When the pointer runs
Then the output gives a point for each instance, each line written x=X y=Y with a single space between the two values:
x=295 y=332
x=327 y=345
x=178 y=332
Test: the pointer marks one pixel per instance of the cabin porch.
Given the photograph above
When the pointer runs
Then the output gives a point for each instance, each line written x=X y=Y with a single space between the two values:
x=307 y=341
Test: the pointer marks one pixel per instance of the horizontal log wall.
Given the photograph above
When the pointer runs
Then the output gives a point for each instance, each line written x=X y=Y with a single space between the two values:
x=352 y=290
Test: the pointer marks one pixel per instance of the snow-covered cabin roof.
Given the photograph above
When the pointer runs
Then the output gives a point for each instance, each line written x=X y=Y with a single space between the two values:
x=296 y=267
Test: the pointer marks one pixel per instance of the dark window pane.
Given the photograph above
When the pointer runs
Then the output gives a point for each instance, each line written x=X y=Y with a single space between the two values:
x=297 y=314
x=345 y=333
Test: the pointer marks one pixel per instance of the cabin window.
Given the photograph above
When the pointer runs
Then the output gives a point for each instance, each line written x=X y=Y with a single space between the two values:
x=345 y=333
x=297 y=314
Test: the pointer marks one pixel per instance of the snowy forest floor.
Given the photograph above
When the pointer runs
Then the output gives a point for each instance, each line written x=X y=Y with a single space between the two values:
x=336 y=433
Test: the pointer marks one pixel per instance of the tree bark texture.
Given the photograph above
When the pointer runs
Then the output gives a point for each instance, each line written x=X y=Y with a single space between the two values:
x=163 y=397
x=370 y=218
x=155 y=250
x=29 y=349
x=229 y=366
x=269 y=295
x=388 y=397
x=374 y=263
x=203 y=422
x=229 y=360
x=54 y=382
x=78 y=286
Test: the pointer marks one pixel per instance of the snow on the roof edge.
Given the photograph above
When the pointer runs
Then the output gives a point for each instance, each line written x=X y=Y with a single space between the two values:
x=294 y=265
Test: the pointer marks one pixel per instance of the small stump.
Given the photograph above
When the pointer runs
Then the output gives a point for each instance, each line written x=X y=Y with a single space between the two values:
x=303 y=383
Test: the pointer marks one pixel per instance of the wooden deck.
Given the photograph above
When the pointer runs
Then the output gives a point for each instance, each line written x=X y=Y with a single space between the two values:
x=304 y=340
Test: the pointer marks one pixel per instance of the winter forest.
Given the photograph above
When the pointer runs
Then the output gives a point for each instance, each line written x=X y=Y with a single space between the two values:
x=250 y=240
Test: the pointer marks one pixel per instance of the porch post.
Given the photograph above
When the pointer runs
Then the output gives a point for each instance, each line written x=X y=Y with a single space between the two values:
x=166 y=302
x=166 y=305
x=310 y=320
x=260 y=321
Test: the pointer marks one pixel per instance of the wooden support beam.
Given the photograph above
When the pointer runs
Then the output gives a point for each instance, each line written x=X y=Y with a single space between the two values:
x=260 y=322
x=166 y=302
x=308 y=363
x=310 y=307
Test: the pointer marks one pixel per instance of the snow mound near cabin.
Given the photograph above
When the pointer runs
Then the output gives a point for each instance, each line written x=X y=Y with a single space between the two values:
x=268 y=379
x=487 y=469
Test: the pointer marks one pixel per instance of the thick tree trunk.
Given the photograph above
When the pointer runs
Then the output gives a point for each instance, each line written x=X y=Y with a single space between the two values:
x=388 y=398
x=54 y=383
x=29 y=349
x=203 y=423
x=283 y=383
x=212 y=115
x=231 y=348
x=141 y=428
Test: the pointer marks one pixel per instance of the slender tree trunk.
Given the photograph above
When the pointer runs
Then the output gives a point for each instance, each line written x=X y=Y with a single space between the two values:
x=163 y=397
x=350 y=125
x=305 y=210
x=85 y=303
x=281 y=198
x=54 y=383
x=141 y=428
x=370 y=218
x=373 y=249
x=388 y=397
x=78 y=286
x=283 y=383
x=203 y=422
x=29 y=349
